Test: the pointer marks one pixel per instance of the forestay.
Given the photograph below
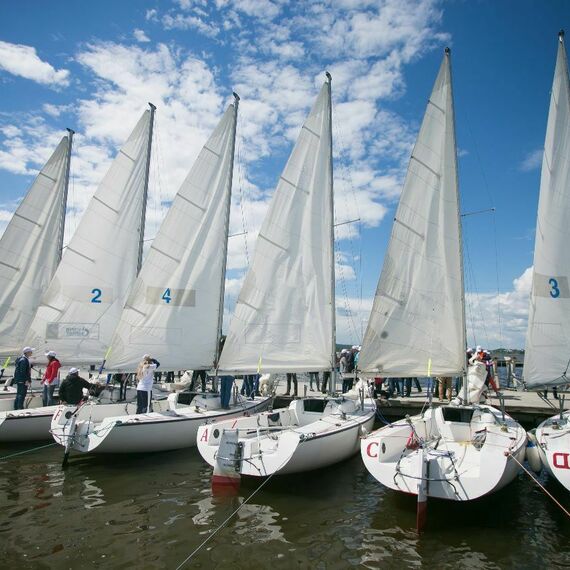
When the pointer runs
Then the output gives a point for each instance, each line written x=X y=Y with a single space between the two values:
x=283 y=316
x=30 y=249
x=82 y=306
x=417 y=323
x=173 y=309
x=547 y=353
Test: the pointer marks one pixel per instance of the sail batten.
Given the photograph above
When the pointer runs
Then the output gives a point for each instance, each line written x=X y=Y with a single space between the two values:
x=172 y=310
x=30 y=249
x=283 y=316
x=547 y=350
x=417 y=324
x=81 y=307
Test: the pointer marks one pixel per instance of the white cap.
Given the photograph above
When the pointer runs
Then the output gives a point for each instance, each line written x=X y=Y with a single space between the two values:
x=28 y=349
x=146 y=356
x=51 y=353
x=478 y=349
x=354 y=347
x=74 y=370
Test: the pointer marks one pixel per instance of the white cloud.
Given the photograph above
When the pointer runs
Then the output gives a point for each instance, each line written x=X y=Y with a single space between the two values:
x=23 y=61
x=140 y=36
x=500 y=320
x=182 y=22
x=532 y=160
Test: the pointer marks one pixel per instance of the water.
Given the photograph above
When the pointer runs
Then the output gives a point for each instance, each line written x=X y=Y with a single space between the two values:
x=153 y=511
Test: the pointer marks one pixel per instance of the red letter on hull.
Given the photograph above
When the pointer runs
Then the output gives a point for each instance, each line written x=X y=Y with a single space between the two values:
x=204 y=436
x=561 y=460
x=369 y=449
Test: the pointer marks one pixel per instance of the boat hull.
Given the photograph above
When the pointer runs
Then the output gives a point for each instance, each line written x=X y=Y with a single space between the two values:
x=292 y=448
x=466 y=460
x=553 y=442
x=145 y=433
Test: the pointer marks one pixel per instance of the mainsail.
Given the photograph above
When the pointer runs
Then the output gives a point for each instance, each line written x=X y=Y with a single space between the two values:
x=30 y=248
x=283 y=320
x=547 y=352
x=82 y=306
x=174 y=307
x=417 y=325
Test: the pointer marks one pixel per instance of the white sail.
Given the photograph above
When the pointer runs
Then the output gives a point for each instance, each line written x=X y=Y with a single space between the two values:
x=82 y=306
x=30 y=249
x=417 y=323
x=283 y=317
x=173 y=309
x=547 y=353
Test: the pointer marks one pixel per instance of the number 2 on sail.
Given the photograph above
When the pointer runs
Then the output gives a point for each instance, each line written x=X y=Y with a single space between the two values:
x=96 y=295
x=166 y=296
x=554 y=291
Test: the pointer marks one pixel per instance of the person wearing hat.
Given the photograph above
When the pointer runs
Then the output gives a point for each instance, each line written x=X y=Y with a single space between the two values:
x=51 y=377
x=71 y=389
x=22 y=377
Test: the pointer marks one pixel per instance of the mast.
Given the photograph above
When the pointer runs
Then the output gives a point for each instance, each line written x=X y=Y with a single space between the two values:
x=227 y=231
x=65 y=191
x=333 y=280
x=463 y=319
x=145 y=191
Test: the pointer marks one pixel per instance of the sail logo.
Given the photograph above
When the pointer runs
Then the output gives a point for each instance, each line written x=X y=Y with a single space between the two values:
x=561 y=460
x=64 y=331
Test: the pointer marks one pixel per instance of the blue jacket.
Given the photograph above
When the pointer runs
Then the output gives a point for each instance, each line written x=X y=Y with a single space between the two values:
x=22 y=371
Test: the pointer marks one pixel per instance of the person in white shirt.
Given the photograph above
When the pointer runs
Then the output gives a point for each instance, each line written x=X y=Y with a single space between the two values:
x=145 y=377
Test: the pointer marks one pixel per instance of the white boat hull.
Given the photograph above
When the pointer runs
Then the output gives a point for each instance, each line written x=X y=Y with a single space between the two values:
x=468 y=452
x=143 y=433
x=553 y=442
x=291 y=440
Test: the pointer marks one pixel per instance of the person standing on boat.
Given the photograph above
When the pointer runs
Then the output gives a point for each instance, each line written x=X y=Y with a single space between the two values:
x=51 y=377
x=71 y=389
x=145 y=377
x=343 y=369
x=444 y=386
x=22 y=377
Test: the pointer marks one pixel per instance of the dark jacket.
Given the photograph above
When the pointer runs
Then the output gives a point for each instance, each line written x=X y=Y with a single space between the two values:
x=22 y=371
x=71 y=389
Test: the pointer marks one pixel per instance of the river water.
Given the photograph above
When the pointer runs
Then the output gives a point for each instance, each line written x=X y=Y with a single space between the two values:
x=152 y=511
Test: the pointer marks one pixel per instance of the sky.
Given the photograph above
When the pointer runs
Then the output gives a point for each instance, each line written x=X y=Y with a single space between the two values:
x=93 y=66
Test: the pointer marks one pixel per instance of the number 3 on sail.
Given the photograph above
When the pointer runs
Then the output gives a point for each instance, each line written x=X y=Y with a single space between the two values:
x=554 y=291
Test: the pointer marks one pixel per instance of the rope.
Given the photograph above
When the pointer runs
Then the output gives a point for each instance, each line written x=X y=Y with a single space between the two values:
x=229 y=518
x=27 y=451
x=541 y=486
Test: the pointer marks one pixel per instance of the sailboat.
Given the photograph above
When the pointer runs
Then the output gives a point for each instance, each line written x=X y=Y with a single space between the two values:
x=174 y=311
x=284 y=321
x=80 y=306
x=417 y=328
x=547 y=351
x=31 y=248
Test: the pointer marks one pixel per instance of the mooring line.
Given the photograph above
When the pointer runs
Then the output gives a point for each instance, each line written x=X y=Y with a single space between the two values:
x=541 y=486
x=224 y=523
x=27 y=451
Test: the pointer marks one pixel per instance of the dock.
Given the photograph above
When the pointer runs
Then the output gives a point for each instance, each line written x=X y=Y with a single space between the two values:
x=527 y=407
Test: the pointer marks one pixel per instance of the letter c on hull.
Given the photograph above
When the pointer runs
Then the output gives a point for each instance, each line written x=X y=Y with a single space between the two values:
x=369 y=449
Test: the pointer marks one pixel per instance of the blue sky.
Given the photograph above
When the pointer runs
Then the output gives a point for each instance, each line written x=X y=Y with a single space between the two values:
x=93 y=66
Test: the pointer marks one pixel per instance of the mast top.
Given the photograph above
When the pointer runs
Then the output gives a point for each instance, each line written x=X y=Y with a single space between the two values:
x=236 y=96
x=70 y=131
x=561 y=36
x=329 y=76
x=447 y=51
x=152 y=107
